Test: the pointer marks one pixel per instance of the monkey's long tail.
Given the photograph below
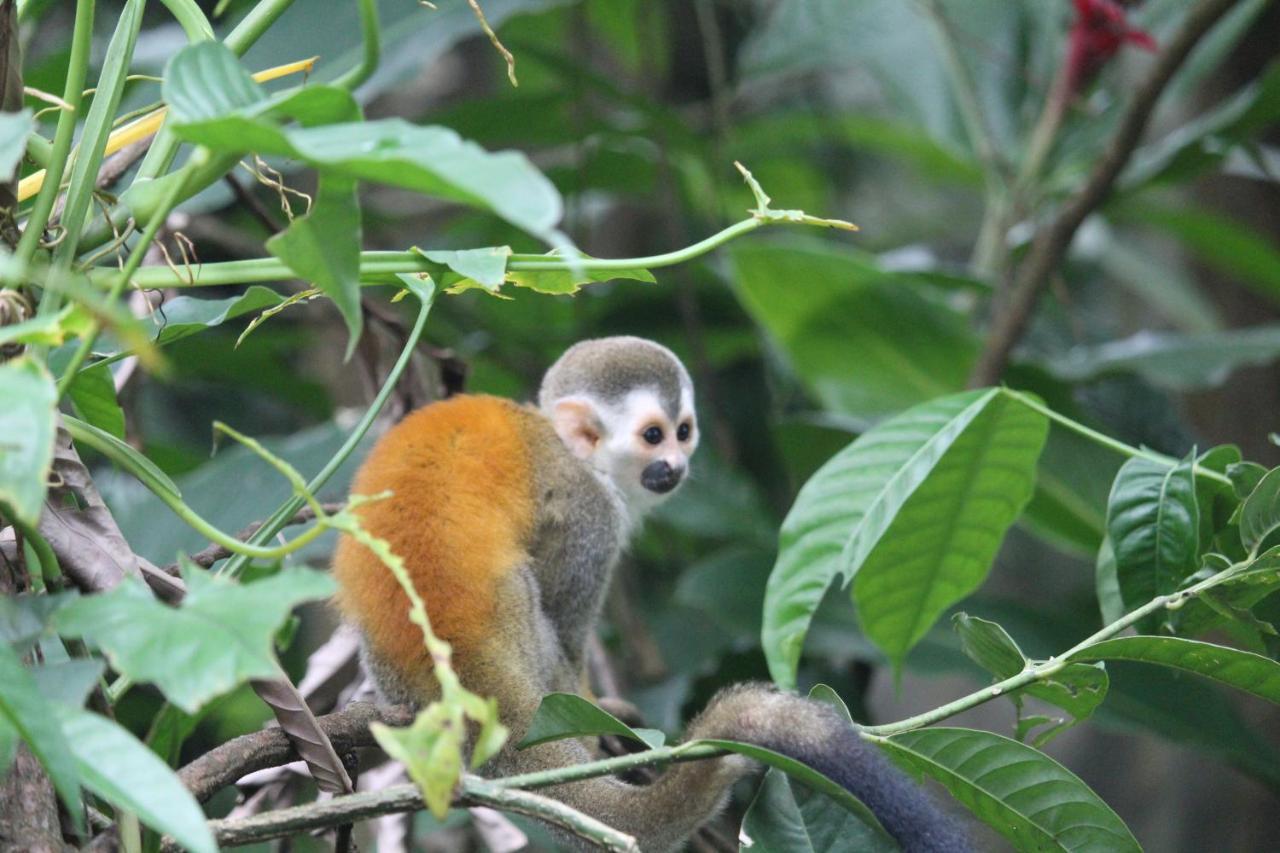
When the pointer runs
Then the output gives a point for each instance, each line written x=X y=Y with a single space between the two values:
x=818 y=736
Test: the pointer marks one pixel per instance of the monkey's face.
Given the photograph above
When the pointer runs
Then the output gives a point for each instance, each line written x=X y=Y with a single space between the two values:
x=641 y=445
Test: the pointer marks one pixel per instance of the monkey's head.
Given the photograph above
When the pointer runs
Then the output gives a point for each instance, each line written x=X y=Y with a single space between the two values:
x=625 y=406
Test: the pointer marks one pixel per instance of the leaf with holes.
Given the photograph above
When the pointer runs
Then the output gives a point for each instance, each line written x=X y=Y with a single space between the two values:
x=1019 y=791
x=913 y=511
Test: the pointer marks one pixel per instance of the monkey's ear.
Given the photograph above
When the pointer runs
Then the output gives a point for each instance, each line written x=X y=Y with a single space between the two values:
x=578 y=426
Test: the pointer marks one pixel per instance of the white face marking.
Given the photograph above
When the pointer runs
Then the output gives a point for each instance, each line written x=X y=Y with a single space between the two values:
x=627 y=448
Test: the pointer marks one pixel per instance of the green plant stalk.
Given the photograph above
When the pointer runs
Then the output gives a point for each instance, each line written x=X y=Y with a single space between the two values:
x=72 y=93
x=165 y=146
x=40 y=150
x=1106 y=440
x=374 y=264
x=117 y=287
x=50 y=571
x=289 y=508
x=1046 y=669
x=372 y=48
x=191 y=19
x=190 y=516
x=93 y=141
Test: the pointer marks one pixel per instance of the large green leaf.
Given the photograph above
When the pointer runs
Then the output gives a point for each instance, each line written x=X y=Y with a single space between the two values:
x=218 y=638
x=783 y=816
x=1153 y=523
x=867 y=342
x=430 y=160
x=27 y=421
x=1260 y=513
x=323 y=248
x=121 y=770
x=913 y=511
x=1184 y=362
x=1019 y=791
x=187 y=315
x=24 y=710
x=1243 y=670
x=562 y=715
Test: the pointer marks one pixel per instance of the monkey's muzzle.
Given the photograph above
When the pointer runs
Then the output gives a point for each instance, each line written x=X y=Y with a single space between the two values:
x=660 y=477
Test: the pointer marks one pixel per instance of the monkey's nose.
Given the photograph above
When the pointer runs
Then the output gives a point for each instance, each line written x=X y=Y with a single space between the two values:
x=660 y=477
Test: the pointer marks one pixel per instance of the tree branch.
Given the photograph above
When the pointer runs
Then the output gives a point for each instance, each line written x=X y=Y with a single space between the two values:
x=1051 y=244
x=403 y=798
x=348 y=729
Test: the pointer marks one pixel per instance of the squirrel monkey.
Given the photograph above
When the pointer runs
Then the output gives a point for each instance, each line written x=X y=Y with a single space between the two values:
x=510 y=520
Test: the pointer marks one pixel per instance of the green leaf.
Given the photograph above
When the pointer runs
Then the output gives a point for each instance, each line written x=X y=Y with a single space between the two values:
x=1216 y=500
x=205 y=81
x=1260 y=513
x=27 y=712
x=1154 y=526
x=323 y=247
x=567 y=282
x=913 y=511
x=867 y=342
x=1107 y=584
x=24 y=618
x=1076 y=688
x=562 y=715
x=14 y=130
x=1243 y=670
x=93 y=393
x=218 y=638
x=187 y=315
x=68 y=682
x=1019 y=791
x=27 y=421
x=789 y=817
x=809 y=777
x=1245 y=477
x=117 y=767
x=430 y=750
x=1179 y=362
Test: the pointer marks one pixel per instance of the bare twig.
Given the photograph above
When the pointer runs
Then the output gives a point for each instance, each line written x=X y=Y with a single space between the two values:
x=1051 y=244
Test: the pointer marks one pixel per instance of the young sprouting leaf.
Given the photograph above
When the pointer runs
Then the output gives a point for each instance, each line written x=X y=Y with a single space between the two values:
x=93 y=393
x=1077 y=689
x=492 y=735
x=1153 y=522
x=783 y=816
x=219 y=637
x=1019 y=791
x=120 y=769
x=26 y=712
x=27 y=423
x=562 y=715
x=431 y=750
x=1243 y=670
x=1260 y=513
x=889 y=512
x=1216 y=500
x=323 y=247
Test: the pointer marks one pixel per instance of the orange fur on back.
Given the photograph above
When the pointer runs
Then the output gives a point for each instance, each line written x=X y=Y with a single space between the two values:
x=462 y=509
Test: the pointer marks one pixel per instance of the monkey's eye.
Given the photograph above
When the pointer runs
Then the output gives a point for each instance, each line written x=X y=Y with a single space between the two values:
x=683 y=432
x=653 y=435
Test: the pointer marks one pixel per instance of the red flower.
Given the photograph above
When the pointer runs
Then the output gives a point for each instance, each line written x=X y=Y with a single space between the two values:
x=1100 y=29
